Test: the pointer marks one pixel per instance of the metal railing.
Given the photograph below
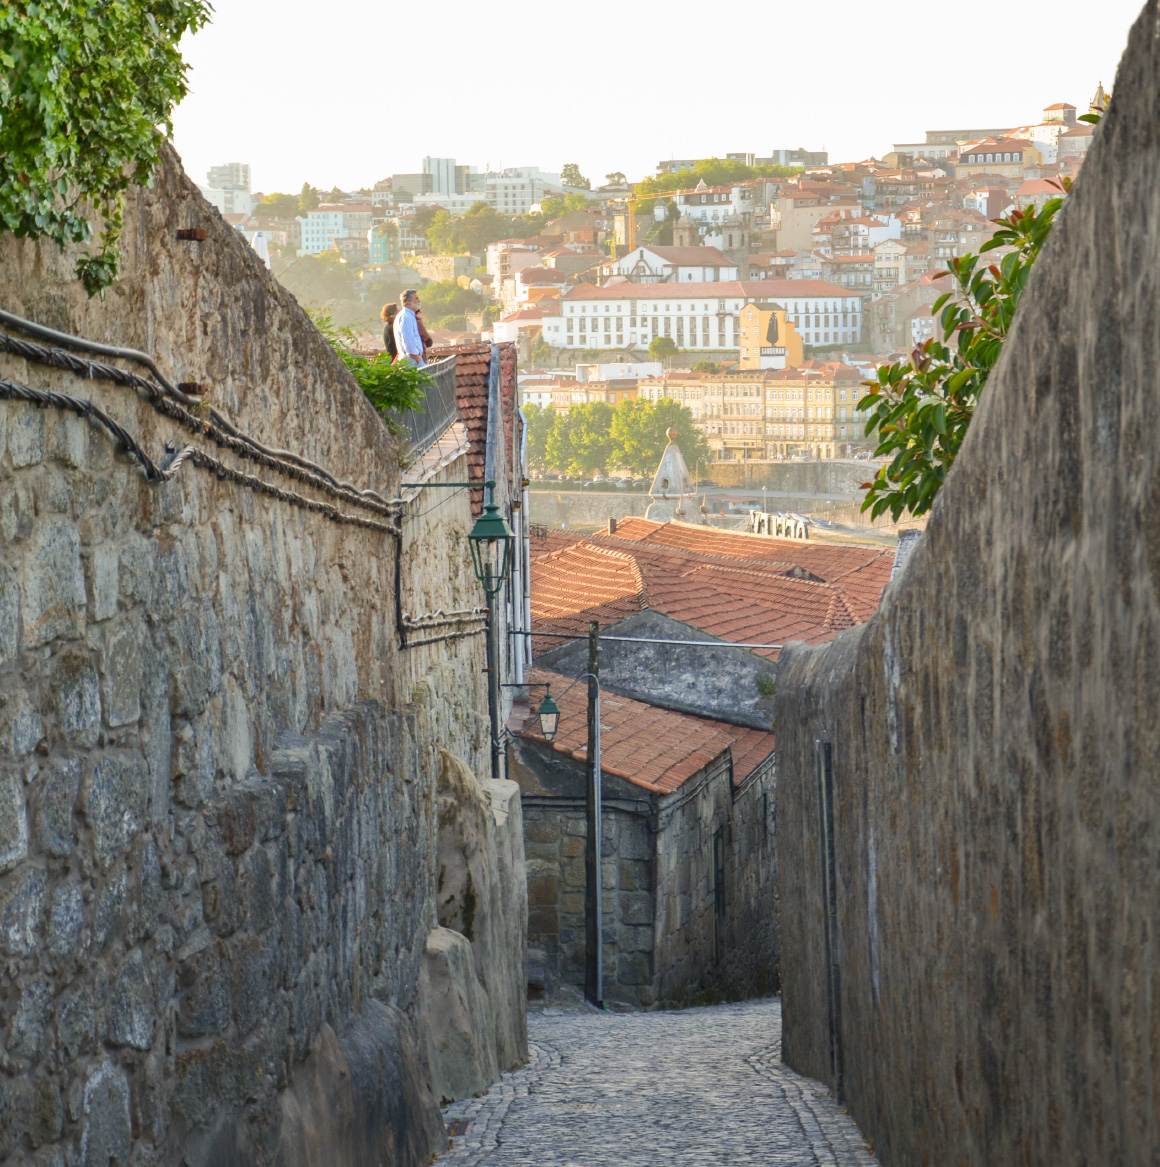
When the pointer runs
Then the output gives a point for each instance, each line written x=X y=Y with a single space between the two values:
x=438 y=408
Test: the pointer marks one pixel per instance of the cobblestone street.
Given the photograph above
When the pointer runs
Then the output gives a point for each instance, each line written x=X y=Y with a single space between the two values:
x=696 y=1087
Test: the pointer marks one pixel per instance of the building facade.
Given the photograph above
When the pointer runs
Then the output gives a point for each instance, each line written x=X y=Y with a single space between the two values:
x=698 y=316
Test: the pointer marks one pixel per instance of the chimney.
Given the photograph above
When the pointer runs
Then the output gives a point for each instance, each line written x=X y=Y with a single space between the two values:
x=611 y=526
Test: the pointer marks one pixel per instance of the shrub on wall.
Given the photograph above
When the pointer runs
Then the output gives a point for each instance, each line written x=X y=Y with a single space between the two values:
x=84 y=87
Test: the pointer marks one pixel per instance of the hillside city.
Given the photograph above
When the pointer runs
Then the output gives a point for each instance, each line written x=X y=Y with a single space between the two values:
x=758 y=293
x=529 y=666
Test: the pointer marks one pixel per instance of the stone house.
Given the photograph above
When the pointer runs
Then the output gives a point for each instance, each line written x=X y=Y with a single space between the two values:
x=688 y=868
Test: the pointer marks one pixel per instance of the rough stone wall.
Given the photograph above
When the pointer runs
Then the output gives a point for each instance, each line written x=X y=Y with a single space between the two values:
x=217 y=773
x=662 y=943
x=994 y=737
x=716 y=681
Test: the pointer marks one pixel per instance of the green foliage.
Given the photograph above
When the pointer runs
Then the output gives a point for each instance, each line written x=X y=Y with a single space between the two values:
x=464 y=234
x=921 y=408
x=715 y=172
x=389 y=387
x=571 y=176
x=661 y=347
x=309 y=198
x=766 y=684
x=446 y=298
x=83 y=87
x=706 y=367
x=617 y=177
x=280 y=206
x=640 y=434
x=581 y=442
x=541 y=420
x=593 y=437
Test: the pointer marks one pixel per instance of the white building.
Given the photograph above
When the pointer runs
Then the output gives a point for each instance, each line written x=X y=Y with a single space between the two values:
x=618 y=371
x=330 y=221
x=668 y=265
x=234 y=201
x=697 y=316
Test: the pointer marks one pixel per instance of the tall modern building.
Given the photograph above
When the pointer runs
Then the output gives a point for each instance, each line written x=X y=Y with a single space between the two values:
x=443 y=176
x=230 y=176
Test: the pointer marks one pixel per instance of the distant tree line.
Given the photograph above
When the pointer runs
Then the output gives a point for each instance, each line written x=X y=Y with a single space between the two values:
x=595 y=438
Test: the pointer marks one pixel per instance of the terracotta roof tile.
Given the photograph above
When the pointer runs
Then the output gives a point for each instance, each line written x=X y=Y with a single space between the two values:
x=650 y=747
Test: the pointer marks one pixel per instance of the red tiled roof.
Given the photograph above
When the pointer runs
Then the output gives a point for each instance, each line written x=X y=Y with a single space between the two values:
x=734 y=289
x=742 y=588
x=653 y=748
x=472 y=368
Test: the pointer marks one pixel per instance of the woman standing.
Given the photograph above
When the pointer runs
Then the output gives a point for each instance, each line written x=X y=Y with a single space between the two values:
x=387 y=315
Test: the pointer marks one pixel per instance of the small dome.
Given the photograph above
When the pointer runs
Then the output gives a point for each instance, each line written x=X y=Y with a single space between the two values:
x=671 y=433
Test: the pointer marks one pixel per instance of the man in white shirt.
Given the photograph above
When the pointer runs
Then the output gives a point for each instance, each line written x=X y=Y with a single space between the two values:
x=408 y=342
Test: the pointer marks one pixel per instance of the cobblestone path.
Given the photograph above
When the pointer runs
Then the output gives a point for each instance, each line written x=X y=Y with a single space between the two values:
x=696 y=1088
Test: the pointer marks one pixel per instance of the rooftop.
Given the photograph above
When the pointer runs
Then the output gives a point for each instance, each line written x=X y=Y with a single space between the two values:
x=656 y=749
x=720 y=289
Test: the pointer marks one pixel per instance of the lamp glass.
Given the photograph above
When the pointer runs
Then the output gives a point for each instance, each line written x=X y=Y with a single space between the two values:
x=549 y=713
x=490 y=541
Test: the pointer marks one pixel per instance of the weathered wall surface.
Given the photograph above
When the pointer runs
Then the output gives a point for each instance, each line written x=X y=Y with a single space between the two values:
x=688 y=882
x=994 y=738
x=218 y=830
x=721 y=681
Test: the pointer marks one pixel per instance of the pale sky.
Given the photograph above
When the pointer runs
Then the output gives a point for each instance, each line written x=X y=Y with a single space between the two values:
x=345 y=92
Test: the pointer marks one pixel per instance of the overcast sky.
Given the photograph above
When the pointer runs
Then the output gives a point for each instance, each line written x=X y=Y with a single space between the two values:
x=345 y=92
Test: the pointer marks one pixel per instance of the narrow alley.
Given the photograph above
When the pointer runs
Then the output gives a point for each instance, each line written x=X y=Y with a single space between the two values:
x=699 y=1087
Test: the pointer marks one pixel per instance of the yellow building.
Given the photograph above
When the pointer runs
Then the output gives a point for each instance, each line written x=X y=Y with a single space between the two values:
x=813 y=411
x=1009 y=157
x=767 y=339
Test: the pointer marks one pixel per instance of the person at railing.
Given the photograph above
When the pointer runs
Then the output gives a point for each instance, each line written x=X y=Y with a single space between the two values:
x=408 y=339
x=424 y=335
x=388 y=314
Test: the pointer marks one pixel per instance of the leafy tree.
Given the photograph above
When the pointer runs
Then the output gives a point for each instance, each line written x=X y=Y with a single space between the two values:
x=617 y=176
x=280 y=206
x=581 y=442
x=661 y=347
x=308 y=199
x=447 y=298
x=639 y=434
x=571 y=176
x=715 y=172
x=390 y=388
x=921 y=408
x=541 y=421
x=469 y=233
x=317 y=279
x=83 y=87
x=334 y=195
x=706 y=367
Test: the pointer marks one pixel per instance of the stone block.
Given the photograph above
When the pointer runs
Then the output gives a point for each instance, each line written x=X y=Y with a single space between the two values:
x=542 y=921
x=634 y=938
x=573 y=872
x=103 y=579
x=632 y=968
x=572 y=903
x=53 y=596
x=635 y=840
x=545 y=853
x=115 y=801
x=26 y=1034
x=77 y=697
x=13 y=823
x=27 y=732
x=65 y=919
x=57 y=797
x=543 y=890
x=46 y=1120
x=628 y=875
x=25 y=433
x=576 y=826
x=21 y=899
x=9 y=614
x=543 y=831
x=76 y=1022
x=121 y=664
x=203 y=1007
x=68 y=439
x=132 y=1010
x=636 y=908
x=572 y=847
x=107 y=1134
x=110 y=907
x=251 y=983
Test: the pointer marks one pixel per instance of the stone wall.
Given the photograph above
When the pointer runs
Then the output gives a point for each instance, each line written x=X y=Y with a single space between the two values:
x=720 y=681
x=987 y=958
x=218 y=825
x=666 y=940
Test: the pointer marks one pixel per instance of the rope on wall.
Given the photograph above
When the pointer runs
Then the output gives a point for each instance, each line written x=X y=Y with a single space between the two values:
x=97 y=417
x=172 y=404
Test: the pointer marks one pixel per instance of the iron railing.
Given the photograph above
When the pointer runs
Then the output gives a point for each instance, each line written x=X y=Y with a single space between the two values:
x=438 y=408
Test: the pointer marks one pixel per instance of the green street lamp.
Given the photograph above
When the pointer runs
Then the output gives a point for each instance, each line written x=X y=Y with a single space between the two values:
x=491 y=542
x=549 y=714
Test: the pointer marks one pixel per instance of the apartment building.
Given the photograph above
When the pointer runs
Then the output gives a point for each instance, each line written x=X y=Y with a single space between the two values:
x=812 y=409
x=330 y=221
x=698 y=316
